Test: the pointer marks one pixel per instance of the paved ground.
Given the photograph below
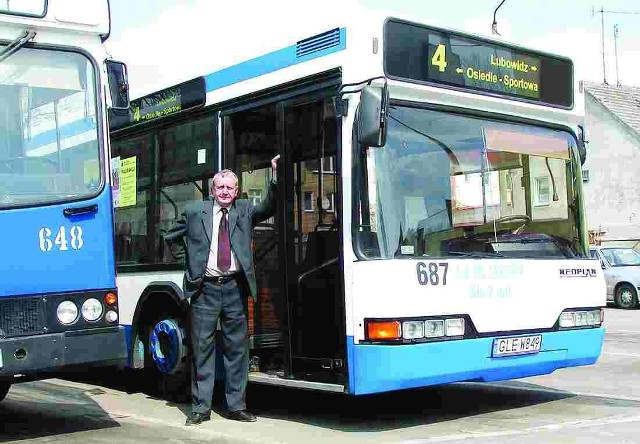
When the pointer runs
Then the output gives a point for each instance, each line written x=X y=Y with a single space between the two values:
x=590 y=404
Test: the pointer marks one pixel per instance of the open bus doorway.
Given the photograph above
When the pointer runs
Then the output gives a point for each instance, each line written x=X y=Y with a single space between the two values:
x=296 y=326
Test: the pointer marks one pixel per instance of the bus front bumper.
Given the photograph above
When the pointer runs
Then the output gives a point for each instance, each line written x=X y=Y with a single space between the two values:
x=379 y=368
x=53 y=352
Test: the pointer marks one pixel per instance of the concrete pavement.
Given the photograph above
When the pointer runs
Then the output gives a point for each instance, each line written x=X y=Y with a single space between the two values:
x=589 y=404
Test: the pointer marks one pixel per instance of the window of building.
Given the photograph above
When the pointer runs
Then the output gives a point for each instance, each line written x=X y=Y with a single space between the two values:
x=328 y=202
x=542 y=195
x=308 y=201
x=255 y=196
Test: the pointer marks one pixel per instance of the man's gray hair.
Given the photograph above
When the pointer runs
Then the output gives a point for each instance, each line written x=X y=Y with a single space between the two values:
x=224 y=173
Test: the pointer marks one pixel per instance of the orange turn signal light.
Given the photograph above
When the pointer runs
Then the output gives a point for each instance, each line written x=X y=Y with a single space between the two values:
x=384 y=330
x=110 y=298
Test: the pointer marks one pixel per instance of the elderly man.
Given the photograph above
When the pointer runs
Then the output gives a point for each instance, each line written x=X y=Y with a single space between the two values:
x=219 y=272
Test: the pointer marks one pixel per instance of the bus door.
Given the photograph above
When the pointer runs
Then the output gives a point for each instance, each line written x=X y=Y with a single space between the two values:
x=250 y=142
x=312 y=239
x=296 y=326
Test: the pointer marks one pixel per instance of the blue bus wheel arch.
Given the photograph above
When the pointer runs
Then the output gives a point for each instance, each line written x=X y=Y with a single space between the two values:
x=167 y=346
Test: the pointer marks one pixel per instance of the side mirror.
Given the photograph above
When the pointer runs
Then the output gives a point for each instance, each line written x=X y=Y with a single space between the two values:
x=582 y=145
x=372 y=115
x=582 y=152
x=118 y=84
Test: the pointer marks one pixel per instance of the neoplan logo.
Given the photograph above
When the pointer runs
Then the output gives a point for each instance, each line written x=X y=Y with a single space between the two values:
x=578 y=272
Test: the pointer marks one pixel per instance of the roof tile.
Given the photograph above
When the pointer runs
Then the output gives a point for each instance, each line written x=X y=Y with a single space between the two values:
x=623 y=101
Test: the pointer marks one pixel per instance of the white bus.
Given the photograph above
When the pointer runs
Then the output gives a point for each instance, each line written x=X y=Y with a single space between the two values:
x=58 y=299
x=430 y=225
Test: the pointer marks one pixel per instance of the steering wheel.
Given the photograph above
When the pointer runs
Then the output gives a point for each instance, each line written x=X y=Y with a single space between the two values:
x=525 y=219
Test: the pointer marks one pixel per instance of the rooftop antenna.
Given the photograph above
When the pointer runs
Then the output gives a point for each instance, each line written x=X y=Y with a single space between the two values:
x=602 y=12
x=494 y=25
x=615 y=47
x=604 y=67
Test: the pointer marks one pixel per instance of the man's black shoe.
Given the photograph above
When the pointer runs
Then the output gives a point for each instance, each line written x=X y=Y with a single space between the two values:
x=241 y=415
x=196 y=418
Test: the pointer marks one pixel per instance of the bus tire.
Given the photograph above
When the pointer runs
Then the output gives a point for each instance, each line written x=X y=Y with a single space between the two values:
x=4 y=389
x=166 y=359
x=626 y=296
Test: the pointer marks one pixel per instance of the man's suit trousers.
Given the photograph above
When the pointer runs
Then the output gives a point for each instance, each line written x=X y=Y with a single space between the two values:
x=226 y=301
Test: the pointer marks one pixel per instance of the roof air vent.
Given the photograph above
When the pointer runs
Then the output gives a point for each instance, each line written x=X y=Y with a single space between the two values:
x=318 y=43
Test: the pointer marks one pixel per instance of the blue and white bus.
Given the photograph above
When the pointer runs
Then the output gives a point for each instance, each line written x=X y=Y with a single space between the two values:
x=430 y=226
x=58 y=298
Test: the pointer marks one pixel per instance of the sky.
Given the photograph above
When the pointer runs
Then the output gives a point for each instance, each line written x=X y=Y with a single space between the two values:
x=160 y=39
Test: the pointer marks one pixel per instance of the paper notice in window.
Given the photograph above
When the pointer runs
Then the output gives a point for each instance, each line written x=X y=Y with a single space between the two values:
x=202 y=156
x=128 y=182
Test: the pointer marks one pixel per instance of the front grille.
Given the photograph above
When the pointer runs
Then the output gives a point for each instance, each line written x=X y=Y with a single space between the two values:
x=21 y=316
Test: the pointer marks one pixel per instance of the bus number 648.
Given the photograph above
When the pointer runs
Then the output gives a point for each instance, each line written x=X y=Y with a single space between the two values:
x=48 y=238
x=432 y=273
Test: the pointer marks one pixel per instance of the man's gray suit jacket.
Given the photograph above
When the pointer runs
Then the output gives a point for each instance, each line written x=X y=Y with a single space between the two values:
x=193 y=233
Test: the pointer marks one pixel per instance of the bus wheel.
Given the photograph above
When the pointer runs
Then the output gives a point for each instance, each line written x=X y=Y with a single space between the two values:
x=168 y=351
x=4 y=389
x=625 y=296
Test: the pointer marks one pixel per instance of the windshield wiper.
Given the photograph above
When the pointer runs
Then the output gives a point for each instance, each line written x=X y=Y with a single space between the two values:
x=15 y=46
x=448 y=151
x=479 y=254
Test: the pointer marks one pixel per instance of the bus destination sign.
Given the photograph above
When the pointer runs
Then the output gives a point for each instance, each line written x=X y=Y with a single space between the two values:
x=159 y=104
x=424 y=54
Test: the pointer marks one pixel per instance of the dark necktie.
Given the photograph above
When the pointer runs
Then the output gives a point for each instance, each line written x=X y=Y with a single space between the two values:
x=224 y=243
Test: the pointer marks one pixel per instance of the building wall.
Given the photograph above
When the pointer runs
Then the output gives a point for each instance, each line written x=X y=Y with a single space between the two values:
x=612 y=193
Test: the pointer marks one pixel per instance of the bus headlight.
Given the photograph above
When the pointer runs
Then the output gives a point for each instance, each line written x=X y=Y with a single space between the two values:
x=417 y=330
x=412 y=329
x=454 y=327
x=434 y=328
x=91 y=310
x=580 y=318
x=593 y=317
x=111 y=316
x=67 y=312
x=567 y=320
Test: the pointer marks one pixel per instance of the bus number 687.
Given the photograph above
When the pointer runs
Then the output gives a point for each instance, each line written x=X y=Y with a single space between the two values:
x=432 y=273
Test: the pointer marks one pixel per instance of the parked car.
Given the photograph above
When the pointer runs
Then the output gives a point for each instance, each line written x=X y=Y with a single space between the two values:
x=622 y=273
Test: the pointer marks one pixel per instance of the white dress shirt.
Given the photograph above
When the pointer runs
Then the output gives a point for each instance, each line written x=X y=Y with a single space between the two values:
x=212 y=263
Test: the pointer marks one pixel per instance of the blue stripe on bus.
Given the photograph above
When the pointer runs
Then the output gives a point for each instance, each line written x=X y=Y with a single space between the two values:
x=72 y=129
x=266 y=64
x=380 y=368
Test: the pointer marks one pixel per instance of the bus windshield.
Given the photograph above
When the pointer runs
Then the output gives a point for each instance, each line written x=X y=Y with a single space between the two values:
x=452 y=185
x=49 y=149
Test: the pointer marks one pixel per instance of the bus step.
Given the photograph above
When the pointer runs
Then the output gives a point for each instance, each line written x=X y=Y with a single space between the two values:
x=274 y=378
x=265 y=340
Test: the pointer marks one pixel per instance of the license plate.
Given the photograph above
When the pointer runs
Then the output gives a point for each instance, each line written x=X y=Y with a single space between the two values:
x=522 y=345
